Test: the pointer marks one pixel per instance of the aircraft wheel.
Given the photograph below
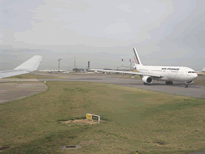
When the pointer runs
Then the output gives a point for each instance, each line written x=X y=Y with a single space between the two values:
x=186 y=85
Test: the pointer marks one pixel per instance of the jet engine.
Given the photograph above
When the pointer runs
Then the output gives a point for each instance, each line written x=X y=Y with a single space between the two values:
x=147 y=79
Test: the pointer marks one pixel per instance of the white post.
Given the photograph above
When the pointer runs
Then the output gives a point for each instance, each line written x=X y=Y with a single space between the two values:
x=98 y=119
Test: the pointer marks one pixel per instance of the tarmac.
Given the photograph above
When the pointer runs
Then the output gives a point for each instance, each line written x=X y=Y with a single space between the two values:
x=18 y=90
x=195 y=91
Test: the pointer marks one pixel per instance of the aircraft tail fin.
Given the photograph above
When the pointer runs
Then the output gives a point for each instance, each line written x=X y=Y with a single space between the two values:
x=136 y=57
x=31 y=64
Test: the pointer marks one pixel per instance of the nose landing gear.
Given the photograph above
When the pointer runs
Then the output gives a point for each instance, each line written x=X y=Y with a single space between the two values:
x=187 y=83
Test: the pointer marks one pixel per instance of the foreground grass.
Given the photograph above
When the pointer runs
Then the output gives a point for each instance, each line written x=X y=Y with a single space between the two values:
x=149 y=122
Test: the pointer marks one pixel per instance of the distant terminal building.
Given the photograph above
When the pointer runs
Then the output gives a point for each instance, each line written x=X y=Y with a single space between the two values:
x=52 y=71
x=82 y=70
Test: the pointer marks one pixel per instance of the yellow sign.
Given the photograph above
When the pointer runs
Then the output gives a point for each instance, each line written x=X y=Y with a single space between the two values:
x=88 y=116
x=92 y=117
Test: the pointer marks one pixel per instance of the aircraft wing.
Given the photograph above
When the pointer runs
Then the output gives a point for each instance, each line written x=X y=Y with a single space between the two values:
x=127 y=72
x=27 y=67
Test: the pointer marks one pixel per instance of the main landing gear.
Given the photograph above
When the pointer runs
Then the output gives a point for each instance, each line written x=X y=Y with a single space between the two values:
x=169 y=82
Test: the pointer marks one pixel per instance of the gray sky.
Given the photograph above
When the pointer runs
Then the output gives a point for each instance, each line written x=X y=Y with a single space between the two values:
x=167 y=32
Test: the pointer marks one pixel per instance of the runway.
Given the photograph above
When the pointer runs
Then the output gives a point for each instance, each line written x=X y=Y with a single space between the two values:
x=177 y=89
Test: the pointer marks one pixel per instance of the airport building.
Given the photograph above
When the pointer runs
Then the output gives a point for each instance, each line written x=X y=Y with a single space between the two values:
x=81 y=70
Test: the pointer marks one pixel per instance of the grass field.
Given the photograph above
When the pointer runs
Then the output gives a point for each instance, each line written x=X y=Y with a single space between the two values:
x=150 y=122
x=202 y=83
x=200 y=80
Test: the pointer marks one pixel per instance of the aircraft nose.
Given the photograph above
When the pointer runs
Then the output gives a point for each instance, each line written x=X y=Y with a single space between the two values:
x=195 y=75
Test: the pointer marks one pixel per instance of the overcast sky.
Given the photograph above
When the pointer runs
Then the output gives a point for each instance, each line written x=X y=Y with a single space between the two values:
x=165 y=32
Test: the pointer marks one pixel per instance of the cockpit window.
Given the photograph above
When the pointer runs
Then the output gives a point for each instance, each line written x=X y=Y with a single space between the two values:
x=191 y=72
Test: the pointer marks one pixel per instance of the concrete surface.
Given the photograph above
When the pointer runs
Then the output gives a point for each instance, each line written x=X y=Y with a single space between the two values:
x=14 y=91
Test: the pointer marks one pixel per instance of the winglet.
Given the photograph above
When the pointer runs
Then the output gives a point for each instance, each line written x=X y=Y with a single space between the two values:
x=31 y=64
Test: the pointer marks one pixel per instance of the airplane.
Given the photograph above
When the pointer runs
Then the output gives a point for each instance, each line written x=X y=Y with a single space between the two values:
x=159 y=73
x=26 y=67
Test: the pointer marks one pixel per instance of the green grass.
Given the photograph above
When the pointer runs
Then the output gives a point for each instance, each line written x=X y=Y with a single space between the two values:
x=150 y=122
x=202 y=82
x=201 y=79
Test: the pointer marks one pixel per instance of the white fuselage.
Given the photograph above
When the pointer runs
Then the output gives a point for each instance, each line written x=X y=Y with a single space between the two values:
x=169 y=73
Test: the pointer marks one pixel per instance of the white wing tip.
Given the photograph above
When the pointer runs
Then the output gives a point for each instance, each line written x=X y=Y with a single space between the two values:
x=31 y=64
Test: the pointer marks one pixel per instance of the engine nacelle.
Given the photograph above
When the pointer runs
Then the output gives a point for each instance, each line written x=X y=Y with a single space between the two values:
x=147 y=79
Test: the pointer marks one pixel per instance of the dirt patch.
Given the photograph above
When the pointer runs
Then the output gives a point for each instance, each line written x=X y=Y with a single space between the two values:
x=4 y=148
x=82 y=121
x=160 y=143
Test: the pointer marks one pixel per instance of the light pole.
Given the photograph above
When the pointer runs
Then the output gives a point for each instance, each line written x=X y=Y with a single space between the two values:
x=59 y=64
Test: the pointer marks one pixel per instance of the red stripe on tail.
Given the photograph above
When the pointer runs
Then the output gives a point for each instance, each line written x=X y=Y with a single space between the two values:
x=135 y=60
